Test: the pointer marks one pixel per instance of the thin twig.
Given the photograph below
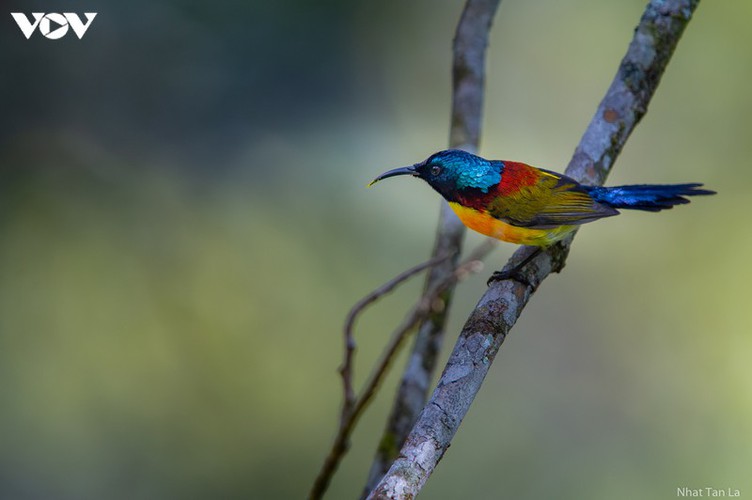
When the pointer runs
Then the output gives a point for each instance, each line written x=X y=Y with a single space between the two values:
x=422 y=308
x=625 y=103
x=346 y=369
x=425 y=305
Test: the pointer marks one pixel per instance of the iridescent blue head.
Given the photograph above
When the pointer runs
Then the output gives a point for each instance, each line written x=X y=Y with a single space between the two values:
x=451 y=171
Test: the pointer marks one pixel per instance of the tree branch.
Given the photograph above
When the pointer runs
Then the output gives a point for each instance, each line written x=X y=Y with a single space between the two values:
x=352 y=406
x=348 y=400
x=468 y=76
x=625 y=103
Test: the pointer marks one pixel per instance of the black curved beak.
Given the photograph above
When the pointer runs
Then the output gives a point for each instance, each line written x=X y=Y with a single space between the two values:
x=397 y=171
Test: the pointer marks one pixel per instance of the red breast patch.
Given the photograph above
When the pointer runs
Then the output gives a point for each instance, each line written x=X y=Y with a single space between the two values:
x=516 y=176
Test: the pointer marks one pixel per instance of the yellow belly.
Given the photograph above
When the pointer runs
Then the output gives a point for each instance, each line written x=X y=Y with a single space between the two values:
x=485 y=224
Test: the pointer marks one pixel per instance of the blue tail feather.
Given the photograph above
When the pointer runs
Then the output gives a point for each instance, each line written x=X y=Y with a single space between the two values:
x=649 y=197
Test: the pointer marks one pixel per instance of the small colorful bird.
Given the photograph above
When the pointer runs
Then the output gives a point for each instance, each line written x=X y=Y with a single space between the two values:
x=515 y=202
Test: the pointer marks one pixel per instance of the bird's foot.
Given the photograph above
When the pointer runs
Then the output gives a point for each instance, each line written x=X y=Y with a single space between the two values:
x=514 y=274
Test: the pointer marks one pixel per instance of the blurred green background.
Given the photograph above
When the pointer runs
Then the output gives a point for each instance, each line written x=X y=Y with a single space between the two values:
x=185 y=224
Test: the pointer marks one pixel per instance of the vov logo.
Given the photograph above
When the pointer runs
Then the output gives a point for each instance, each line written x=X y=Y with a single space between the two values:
x=53 y=25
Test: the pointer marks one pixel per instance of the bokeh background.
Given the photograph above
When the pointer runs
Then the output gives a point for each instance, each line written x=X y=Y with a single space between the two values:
x=185 y=223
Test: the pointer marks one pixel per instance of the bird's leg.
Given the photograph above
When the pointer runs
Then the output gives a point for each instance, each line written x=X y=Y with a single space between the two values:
x=516 y=272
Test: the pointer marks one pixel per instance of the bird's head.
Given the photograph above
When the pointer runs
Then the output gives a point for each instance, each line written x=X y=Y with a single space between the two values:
x=452 y=171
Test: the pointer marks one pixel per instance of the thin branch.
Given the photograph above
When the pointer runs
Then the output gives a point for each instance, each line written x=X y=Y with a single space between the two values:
x=429 y=302
x=625 y=103
x=468 y=77
x=346 y=368
x=425 y=305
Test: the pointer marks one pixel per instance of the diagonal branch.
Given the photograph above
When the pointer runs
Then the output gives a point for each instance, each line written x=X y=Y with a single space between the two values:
x=345 y=370
x=625 y=103
x=468 y=76
x=353 y=406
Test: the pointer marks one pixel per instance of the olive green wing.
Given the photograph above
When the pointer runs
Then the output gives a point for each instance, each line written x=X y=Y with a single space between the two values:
x=553 y=200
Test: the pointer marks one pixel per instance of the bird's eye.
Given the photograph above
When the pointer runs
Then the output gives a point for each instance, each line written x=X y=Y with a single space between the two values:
x=435 y=170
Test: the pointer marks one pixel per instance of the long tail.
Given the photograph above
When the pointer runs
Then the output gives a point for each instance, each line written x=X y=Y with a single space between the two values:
x=649 y=197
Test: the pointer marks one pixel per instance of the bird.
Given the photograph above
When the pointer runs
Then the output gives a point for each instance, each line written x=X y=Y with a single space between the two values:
x=518 y=203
